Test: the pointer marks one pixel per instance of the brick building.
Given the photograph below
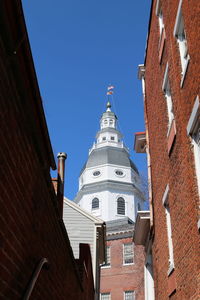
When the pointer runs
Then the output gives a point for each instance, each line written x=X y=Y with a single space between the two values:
x=170 y=80
x=36 y=260
x=122 y=276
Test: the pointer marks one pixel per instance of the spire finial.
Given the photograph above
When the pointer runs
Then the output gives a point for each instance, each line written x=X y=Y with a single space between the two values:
x=108 y=105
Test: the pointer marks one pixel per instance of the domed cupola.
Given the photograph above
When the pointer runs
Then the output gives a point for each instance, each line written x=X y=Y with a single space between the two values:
x=109 y=175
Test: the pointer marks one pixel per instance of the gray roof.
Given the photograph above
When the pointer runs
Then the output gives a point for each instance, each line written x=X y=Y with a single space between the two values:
x=118 y=229
x=109 y=155
x=119 y=225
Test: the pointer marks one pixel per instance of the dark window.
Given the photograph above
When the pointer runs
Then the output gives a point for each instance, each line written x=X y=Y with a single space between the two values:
x=95 y=203
x=104 y=138
x=119 y=173
x=120 y=206
x=112 y=138
x=96 y=173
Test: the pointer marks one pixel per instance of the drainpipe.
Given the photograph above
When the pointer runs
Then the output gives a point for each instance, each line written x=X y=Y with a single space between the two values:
x=61 y=174
x=141 y=76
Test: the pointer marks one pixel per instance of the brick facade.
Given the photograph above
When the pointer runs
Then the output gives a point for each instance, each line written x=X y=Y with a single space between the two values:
x=30 y=226
x=171 y=151
x=118 y=277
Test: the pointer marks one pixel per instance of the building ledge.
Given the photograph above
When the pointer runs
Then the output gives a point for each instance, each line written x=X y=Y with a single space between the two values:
x=140 y=142
x=142 y=227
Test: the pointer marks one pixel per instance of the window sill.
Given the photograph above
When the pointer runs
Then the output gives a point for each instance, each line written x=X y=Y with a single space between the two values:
x=185 y=71
x=124 y=265
x=106 y=267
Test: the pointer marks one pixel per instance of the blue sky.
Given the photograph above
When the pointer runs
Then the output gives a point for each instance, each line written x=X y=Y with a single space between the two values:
x=79 y=47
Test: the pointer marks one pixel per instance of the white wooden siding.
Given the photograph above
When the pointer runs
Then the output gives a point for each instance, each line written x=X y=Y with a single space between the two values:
x=80 y=229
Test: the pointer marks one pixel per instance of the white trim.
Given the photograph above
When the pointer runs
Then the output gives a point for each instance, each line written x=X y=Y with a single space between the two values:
x=165 y=79
x=178 y=19
x=198 y=224
x=157 y=7
x=165 y=196
x=185 y=70
x=194 y=116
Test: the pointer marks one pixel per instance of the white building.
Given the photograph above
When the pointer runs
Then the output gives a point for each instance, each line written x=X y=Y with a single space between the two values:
x=109 y=181
x=84 y=228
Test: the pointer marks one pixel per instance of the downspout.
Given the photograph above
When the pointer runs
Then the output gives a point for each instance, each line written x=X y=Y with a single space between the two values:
x=61 y=174
x=142 y=77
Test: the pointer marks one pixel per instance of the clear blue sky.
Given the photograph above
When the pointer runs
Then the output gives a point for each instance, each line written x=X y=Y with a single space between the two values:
x=79 y=47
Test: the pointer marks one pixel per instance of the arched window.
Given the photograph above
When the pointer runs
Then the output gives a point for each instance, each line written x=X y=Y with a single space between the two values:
x=95 y=203
x=120 y=206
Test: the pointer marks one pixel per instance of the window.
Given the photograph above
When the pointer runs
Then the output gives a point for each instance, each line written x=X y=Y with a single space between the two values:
x=112 y=138
x=160 y=20
x=169 y=229
x=119 y=172
x=104 y=138
x=128 y=254
x=105 y=296
x=107 y=256
x=95 y=203
x=193 y=130
x=120 y=206
x=96 y=173
x=129 y=295
x=179 y=33
x=110 y=122
x=167 y=92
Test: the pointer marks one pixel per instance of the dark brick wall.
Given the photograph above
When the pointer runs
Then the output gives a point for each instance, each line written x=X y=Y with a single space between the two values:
x=177 y=168
x=30 y=228
x=118 y=277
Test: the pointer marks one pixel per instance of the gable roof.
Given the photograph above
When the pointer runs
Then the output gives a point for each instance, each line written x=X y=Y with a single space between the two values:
x=73 y=205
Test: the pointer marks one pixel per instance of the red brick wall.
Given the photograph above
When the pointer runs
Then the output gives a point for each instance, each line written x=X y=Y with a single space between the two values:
x=118 y=278
x=30 y=228
x=177 y=168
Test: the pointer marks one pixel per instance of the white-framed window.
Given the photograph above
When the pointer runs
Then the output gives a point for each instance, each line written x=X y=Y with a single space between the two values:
x=121 y=206
x=180 y=35
x=105 y=296
x=128 y=253
x=108 y=258
x=129 y=295
x=159 y=14
x=193 y=130
x=168 y=97
x=104 y=138
x=112 y=138
x=165 y=202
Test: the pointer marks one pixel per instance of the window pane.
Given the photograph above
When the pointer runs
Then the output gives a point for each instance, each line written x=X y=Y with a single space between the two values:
x=95 y=203
x=105 y=296
x=108 y=256
x=129 y=295
x=121 y=206
x=128 y=253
